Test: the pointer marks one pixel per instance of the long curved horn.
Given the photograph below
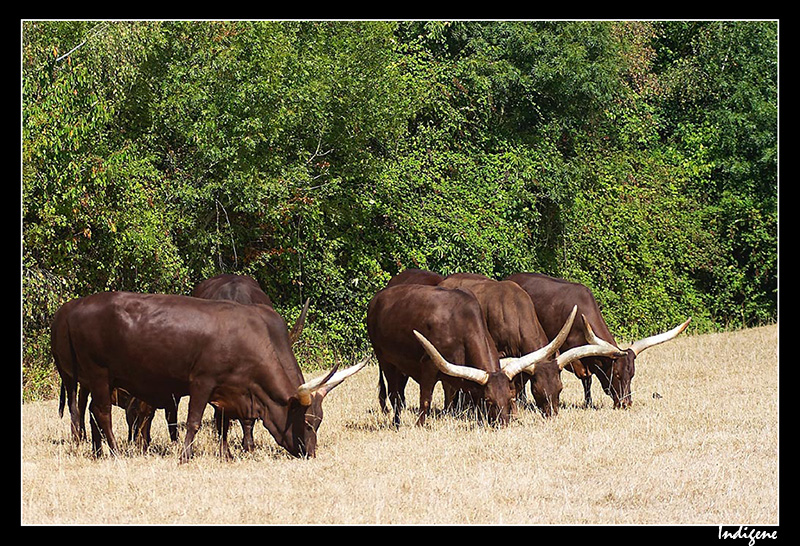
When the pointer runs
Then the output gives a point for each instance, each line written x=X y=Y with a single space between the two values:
x=454 y=370
x=585 y=351
x=592 y=338
x=341 y=375
x=305 y=390
x=513 y=366
x=648 y=342
x=297 y=329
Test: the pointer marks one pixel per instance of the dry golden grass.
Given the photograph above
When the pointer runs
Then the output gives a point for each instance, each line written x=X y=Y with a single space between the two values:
x=706 y=452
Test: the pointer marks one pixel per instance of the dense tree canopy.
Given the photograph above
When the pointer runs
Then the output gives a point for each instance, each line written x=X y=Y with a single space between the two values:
x=639 y=158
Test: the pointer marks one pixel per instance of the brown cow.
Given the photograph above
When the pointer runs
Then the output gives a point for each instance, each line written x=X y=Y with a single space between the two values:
x=139 y=414
x=235 y=357
x=512 y=322
x=245 y=290
x=553 y=299
x=240 y=289
x=418 y=331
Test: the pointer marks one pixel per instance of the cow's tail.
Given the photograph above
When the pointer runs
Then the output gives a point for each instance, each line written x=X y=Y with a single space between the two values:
x=61 y=400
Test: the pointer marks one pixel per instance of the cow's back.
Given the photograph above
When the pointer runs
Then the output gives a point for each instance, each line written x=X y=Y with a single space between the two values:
x=510 y=313
x=554 y=299
x=415 y=276
x=450 y=319
x=239 y=288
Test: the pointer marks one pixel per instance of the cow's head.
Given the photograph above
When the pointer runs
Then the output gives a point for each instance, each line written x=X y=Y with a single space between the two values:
x=489 y=389
x=498 y=398
x=546 y=383
x=546 y=387
x=617 y=380
x=305 y=411
x=616 y=377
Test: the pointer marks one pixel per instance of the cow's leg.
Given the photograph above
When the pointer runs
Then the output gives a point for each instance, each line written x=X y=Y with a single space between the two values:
x=382 y=390
x=80 y=410
x=587 y=390
x=171 y=415
x=145 y=432
x=145 y=422
x=425 y=397
x=132 y=419
x=395 y=384
x=100 y=408
x=139 y=416
x=402 y=381
x=426 y=386
x=247 y=434
x=450 y=398
x=77 y=425
x=97 y=438
x=224 y=449
x=199 y=396
x=219 y=420
x=582 y=372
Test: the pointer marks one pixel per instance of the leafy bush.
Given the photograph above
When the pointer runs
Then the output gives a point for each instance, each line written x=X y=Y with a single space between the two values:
x=639 y=158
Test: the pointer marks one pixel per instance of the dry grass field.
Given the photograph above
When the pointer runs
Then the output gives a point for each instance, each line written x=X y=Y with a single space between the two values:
x=703 y=450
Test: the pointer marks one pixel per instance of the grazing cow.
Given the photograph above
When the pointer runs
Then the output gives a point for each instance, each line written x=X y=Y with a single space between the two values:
x=245 y=290
x=235 y=357
x=408 y=276
x=139 y=415
x=512 y=322
x=418 y=331
x=553 y=299
x=237 y=288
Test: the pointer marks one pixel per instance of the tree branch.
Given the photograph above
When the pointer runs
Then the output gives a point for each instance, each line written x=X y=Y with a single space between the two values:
x=80 y=45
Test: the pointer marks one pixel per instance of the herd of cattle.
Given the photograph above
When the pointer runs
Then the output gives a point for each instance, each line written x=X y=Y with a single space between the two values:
x=226 y=346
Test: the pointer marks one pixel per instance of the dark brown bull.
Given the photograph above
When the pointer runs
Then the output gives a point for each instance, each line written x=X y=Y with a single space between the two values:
x=419 y=331
x=553 y=299
x=245 y=290
x=237 y=288
x=235 y=357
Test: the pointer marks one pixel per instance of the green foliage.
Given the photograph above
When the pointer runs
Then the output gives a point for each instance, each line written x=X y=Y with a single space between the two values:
x=322 y=158
x=720 y=94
